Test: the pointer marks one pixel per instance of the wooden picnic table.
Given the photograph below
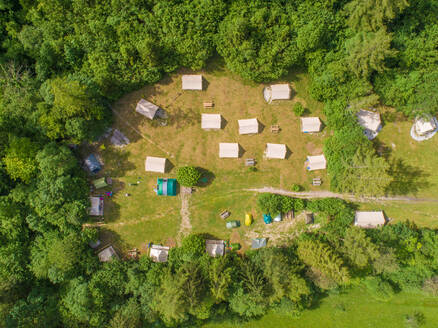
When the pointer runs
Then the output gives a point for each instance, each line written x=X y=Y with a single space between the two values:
x=208 y=104
x=275 y=128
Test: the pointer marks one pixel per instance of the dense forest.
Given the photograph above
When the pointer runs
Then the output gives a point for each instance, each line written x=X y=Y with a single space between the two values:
x=64 y=61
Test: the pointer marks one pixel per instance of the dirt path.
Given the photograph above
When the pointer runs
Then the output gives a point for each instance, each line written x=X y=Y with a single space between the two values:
x=185 y=226
x=139 y=133
x=324 y=194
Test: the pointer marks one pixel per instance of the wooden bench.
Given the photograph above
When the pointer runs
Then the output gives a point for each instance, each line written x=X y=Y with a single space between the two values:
x=225 y=214
x=316 y=181
x=209 y=104
x=249 y=162
x=275 y=128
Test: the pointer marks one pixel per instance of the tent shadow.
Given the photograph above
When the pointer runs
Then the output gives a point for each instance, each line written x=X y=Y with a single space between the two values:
x=169 y=166
x=224 y=122
x=288 y=153
x=261 y=127
x=242 y=151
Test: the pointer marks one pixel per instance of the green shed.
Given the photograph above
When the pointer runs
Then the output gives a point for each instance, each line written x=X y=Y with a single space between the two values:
x=100 y=183
x=166 y=187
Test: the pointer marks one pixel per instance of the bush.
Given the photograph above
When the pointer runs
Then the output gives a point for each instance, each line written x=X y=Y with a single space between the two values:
x=296 y=187
x=430 y=286
x=188 y=176
x=192 y=248
x=270 y=203
x=415 y=320
x=379 y=289
x=298 y=109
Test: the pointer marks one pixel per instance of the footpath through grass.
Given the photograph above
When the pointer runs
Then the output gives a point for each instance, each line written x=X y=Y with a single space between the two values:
x=353 y=309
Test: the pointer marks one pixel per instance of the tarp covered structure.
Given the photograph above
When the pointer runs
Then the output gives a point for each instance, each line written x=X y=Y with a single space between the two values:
x=146 y=108
x=211 y=121
x=215 y=248
x=258 y=243
x=92 y=163
x=166 y=187
x=316 y=162
x=159 y=253
x=371 y=219
x=424 y=125
x=228 y=150
x=310 y=124
x=100 y=183
x=107 y=254
x=96 y=208
x=192 y=82
x=275 y=151
x=248 y=126
x=155 y=164
x=370 y=121
x=232 y=224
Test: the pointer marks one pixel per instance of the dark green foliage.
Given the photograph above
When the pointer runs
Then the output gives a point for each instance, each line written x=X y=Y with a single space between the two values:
x=188 y=176
x=296 y=187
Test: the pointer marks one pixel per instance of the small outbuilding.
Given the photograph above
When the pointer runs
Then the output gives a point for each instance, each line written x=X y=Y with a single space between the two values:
x=92 y=163
x=228 y=150
x=310 y=124
x=159 y=253
x=370 y=121
x=215 y=248
x=277 y=92
x=372 y=219
x=166 y=187
x=424 y=127
x=277 y=151
x=96 y=208
x=192 y=82
x=316 y=162
x=211 y=121
x=248 y=126
x=258 y=243
x=107 y=254
x=155 y=164
x=147 y=109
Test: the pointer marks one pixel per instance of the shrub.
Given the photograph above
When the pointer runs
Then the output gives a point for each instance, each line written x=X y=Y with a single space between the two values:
x=379 y=289
x=192 y=248
x=270 y=203
x=296 y=187
x=430 y=286
x=298 y=109
x=188 y=176
x=414 y=320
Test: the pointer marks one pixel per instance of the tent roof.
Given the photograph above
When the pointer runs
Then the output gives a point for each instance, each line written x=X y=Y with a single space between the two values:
x=424 y=125
x=371 y=219
x=228 y=150
x=248 y=126
x=280 y=91
x=369 y=120
x=166 y=187
x=93 y=164
x=107 y=254
x=155 y=164
x=100 y=183
x=211 y=121
x=159 y=253
x=316 y=162
x=310 y=124
x=275 y=151
x=146 y=108
x=215 y=248
x=192 y=82
x=258 y=243
x=96 y=208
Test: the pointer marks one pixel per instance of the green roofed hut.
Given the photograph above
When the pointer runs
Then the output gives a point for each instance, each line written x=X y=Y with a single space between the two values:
x=100 y=183
x=166 y=187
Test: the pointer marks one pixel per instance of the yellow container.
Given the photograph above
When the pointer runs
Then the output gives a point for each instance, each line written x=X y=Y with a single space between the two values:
x=248 y=219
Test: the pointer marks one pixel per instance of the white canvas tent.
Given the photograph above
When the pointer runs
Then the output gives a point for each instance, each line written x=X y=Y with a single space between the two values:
x=316 y=162
x=215 y=248
x=228 y=150
x=192 y=82
x=155 y=164
x=159 y=253
x=146 y=108
x=370 y=121
x=277 y=92
x=211 y=121
x=424 y=125
x=275 y=151
x=371 y=219
x=310 y=124
x=96 y=208
x=248 y=126
x=107 y=254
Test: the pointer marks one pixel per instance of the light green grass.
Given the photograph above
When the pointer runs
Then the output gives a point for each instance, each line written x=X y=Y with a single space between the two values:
x=354 y=309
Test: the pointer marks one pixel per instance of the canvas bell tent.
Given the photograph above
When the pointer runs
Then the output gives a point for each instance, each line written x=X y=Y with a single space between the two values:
x=370 y=121
x=211 y=121
x=424 y=127
x=277 y=151
x=147 y=109
x=248 y=126
x=96 y=208
x=277 y=92
x=155 y=164
x=371 y=219
x=228 y=150
x=310 y=124
x=316 y=163
x=192 y=82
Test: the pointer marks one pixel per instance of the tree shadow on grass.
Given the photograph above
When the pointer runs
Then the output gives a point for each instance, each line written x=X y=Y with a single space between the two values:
x=406 y=178
x=116 y=162
x=206 y=178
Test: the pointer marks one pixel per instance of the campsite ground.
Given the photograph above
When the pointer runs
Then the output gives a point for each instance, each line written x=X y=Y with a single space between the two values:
x=143 y=217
